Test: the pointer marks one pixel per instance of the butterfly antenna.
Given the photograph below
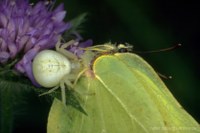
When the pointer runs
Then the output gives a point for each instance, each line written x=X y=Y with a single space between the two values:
x=160 y=50
x=164 y=76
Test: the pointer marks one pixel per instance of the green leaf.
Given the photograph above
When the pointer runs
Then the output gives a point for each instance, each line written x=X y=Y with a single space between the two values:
x=6 y=106
x=15 y=92
x=76 y=22
x=12 y=92
x=125 y=95
x=76 y=25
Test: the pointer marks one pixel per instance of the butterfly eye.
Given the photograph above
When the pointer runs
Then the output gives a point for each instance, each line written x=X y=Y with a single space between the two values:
x=123 y=48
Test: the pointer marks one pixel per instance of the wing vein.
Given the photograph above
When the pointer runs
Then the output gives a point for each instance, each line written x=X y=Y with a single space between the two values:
x=122 y=104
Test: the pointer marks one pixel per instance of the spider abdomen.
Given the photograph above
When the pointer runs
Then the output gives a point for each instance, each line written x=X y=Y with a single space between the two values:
x=49 y=67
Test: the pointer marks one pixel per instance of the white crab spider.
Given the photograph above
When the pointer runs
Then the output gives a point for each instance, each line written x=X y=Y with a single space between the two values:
x=54 y=69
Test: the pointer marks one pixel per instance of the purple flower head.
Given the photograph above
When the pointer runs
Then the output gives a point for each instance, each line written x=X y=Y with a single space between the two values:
x=26 y=29
x=75 y=48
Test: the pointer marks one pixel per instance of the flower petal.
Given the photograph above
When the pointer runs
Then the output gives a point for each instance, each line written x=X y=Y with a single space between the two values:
x=59 y=16
x=3 y=20
x=4 y=56
x=13 y=50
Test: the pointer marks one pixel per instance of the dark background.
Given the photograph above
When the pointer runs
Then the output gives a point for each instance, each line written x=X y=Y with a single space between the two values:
x=148 y=25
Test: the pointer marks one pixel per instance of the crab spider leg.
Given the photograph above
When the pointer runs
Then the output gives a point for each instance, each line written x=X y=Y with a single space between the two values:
x=62 y=86
x=65 y=45
x=79 y=75
x=58 y=43
x=67 y=53
x=50 y=91
x=93 y=48
x=100 y=48
x=68 y=83
x=62 y=49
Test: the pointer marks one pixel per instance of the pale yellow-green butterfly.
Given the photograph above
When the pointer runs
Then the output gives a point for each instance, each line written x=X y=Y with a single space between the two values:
x=123 y=95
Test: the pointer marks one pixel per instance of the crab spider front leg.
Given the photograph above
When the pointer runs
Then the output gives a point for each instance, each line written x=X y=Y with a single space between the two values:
x=62 y=49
